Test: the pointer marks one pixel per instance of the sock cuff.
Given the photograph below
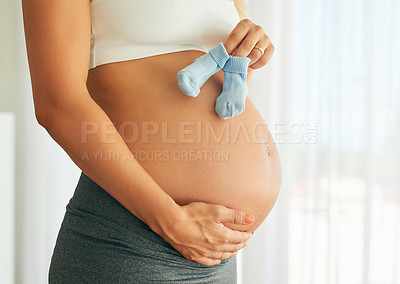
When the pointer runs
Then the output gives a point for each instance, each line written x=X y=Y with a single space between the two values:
x=237 y=64
x=219 y=54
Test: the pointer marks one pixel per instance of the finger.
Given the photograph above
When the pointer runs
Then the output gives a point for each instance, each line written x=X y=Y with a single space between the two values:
x=264 y=43
x=232 y=248
x=228 y=215
x=229 y=236
x=264 y=59
x=197 y=256
x=237 y=35
x=255 y=35
x=221 y=255
x=207 y=261
x=235 y=237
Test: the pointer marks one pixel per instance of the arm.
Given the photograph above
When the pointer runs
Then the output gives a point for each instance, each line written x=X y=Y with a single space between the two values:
x=57 y=37
x=58 y=44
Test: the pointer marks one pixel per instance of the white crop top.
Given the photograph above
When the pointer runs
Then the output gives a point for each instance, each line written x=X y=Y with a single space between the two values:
x=131 y=29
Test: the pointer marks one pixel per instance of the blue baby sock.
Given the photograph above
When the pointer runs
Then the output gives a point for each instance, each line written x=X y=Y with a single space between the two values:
x=231 y=101
x=192 y=77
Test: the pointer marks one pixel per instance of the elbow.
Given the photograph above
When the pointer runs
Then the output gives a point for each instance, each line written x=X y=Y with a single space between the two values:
x=46 y=110
x=43 y=115
x=50 y=107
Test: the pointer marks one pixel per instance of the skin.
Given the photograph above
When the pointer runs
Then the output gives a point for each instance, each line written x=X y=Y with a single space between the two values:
x=205 y=227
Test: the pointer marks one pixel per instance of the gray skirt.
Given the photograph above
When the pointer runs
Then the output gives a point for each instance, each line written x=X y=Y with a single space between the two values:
x=100 y=241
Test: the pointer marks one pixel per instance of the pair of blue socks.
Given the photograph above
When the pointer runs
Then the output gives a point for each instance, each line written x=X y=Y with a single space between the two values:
x=231 y=101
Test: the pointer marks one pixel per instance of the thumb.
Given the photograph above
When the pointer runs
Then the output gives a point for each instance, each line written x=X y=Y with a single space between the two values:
x=235 y=217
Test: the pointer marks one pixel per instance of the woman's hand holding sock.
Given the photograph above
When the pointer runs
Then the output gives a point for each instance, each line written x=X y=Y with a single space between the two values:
x=231 y=102
x=192 y=77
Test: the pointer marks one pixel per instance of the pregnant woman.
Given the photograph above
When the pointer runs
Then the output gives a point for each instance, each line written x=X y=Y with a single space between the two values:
x=169 y=192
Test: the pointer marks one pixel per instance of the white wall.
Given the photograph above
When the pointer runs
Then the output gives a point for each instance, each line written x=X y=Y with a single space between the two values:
x=7 y=200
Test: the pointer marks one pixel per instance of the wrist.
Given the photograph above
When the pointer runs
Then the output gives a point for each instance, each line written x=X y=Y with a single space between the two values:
x=164 y=218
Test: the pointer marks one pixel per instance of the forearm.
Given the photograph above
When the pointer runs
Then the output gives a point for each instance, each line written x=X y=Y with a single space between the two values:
x=123 y=177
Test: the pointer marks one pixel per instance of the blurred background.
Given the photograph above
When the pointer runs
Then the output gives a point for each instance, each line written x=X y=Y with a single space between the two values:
x=331 y=98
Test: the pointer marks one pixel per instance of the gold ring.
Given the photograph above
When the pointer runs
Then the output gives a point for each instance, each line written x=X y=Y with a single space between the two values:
x=260 y=49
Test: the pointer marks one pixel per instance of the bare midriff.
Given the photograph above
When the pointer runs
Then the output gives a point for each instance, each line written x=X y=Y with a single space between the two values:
x=191 y=152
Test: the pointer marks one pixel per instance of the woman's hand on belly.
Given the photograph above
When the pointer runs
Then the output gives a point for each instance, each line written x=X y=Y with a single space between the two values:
x=200 y=234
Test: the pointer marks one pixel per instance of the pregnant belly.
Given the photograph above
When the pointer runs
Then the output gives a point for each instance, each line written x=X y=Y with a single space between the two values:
x=181 y=142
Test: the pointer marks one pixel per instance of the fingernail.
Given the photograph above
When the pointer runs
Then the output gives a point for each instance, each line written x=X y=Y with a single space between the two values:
x=249 y=218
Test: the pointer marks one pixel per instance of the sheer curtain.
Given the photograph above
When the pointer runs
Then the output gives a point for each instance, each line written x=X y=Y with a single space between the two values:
x=331 y=94
x=331 y=97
